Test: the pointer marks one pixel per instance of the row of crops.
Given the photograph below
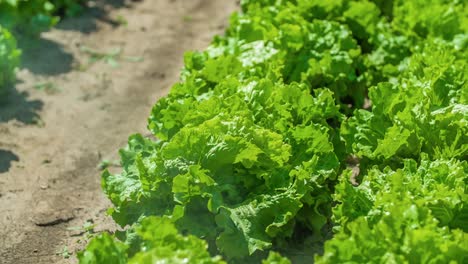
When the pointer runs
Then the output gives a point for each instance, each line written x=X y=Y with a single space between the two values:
x=327 y=130
x=26 y=18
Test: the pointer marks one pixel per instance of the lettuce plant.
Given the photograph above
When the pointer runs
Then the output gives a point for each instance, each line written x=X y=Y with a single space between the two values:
x=34 y=16
x=9 y=59
x=328 y=128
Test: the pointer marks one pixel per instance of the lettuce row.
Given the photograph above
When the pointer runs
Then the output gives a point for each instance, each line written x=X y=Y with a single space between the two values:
x=306 y=116
x=34 y=16
x=242 y=160
x=248 y=177
x=31 y=17
x=9 y=60
x=418 y=213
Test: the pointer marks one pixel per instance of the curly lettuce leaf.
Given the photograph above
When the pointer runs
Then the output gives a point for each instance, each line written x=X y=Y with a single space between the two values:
x=158 y=241
x=413 y=215
x=423 y=111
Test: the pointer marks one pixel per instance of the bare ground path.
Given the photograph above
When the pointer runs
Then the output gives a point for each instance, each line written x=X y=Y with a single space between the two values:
x=67 y=115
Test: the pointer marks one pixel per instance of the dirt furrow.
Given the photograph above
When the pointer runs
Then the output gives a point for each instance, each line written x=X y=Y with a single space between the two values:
x=68 y=115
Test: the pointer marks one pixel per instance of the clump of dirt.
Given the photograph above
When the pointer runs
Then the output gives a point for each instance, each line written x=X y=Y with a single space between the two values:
x=83 y=89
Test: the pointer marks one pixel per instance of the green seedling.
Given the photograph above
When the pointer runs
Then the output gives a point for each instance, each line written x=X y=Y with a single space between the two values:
x=121 y=20
x=87 y=228
x=111 y=57
x=48 y=87
x=187 y=18
x=64 y=252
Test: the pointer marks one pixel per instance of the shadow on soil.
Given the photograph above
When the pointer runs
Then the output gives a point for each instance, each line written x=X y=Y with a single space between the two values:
x=17 y=106
x=6 y=158
x=87 y=21
x=44 y=57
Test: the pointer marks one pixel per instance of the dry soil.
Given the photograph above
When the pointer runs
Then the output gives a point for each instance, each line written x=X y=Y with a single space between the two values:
x=84 y=87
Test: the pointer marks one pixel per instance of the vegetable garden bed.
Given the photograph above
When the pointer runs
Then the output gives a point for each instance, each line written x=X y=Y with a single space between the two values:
x=334 y=129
